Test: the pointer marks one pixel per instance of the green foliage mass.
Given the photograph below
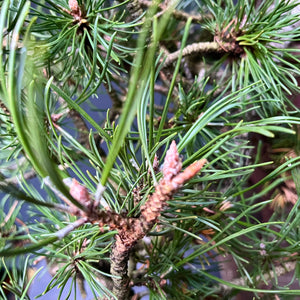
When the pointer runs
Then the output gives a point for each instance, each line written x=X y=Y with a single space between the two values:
x=227 y=100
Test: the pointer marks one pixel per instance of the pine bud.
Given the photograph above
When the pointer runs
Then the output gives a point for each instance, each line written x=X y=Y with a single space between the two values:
x=155 y=163
x=172 y=163
x=73 y=4
x=79 y=192
x=188 y=173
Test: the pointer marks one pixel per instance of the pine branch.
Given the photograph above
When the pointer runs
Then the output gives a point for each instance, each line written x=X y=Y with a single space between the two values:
x=178 y=14
x=202 y=49
x=278 y=271
x=134 y=229
x=66 y=230
x=119 y=265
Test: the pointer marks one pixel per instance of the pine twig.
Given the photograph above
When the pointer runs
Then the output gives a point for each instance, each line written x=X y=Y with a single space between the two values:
x=202 y=48
x=81 y=127
x=279 y=270
x=9 y=214
x=178 y=14
x=15 y=180
x=119 y=265
x=66 y=230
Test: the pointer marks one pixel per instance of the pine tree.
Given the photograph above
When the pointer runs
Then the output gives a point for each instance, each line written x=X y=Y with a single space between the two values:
x=192 y=172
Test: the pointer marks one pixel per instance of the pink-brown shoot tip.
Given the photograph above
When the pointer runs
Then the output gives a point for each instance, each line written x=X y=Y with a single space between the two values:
x=73 y=4
x=79 y=192
x=172 y=163
x=188 y=173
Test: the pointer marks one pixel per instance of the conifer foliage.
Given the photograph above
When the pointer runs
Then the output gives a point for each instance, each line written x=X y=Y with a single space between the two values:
x=187 y=185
